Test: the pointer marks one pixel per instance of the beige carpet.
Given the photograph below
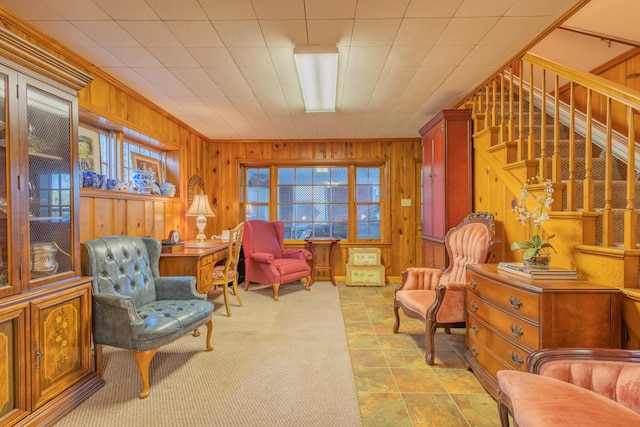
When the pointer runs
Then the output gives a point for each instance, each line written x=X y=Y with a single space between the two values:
x=274 y=363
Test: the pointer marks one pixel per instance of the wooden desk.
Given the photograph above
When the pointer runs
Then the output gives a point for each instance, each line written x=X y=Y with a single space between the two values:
x=198 y=262
x=323 y=251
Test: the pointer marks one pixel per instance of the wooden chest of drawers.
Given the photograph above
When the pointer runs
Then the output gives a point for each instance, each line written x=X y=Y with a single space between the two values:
x=508 y=317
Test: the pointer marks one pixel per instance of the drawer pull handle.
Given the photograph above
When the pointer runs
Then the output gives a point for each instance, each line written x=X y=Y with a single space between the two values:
x=515 y=357
x=474 y=328
x=515 y=302
x=473 y=283
x=474 y=306
x=516 y=330
x=474 y=350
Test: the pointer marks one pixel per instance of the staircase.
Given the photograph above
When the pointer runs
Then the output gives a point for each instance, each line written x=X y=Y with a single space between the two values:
x=596 y=230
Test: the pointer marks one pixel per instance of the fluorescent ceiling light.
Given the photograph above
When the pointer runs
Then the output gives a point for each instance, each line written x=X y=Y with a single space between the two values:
x=318 y=74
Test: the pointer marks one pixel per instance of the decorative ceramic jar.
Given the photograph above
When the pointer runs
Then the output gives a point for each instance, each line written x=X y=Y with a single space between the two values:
x=167 y=189
x=144 y=180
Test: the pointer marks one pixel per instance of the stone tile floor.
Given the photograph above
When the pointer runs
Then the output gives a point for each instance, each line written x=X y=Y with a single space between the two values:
x=394 y=384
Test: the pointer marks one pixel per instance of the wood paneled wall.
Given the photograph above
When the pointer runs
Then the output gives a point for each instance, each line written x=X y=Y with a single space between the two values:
x=403 y=160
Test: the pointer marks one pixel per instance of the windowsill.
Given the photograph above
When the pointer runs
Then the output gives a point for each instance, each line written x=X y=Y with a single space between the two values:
x=112 y=194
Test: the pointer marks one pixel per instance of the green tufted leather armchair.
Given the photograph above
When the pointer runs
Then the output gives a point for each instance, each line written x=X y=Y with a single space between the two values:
x=133 y=307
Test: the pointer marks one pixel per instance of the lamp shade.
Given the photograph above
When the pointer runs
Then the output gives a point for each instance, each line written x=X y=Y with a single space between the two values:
x=318 y=74
x=200 y=206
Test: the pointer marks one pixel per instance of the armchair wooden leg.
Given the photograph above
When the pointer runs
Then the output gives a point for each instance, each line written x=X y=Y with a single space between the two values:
x=307 y=285
x=143 y=360
x=209 y=333
x=246 y=285
x=276 y=288
x=396 y=325
x=504 y=408
x=430 y=350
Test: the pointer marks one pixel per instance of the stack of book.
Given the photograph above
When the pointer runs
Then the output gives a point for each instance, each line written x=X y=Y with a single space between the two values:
x=520 y=269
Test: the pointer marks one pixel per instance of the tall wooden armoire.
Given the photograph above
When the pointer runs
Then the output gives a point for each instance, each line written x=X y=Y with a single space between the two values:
x=447 y=176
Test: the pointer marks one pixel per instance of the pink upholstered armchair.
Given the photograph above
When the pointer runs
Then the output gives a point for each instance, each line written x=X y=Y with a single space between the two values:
x=436 y=295
x=267 y=261
x=573 y=386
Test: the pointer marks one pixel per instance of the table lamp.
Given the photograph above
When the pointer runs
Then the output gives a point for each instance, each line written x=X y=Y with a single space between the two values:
x=201 y=210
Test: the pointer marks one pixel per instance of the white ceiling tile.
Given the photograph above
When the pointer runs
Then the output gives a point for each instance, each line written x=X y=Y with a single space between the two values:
x=447 y=55
x=465 y=31
x=230 y=80
x=284 y=33
x=210 y=57
x=514 y=31
x=177 y=10
x=173 y=57
x=394 y=80
x=282 y=57
x=151 y=33
x=106 y=33
x=374 y=32
x=166 y=82
x=195 y=33
x=489 y=55
x=67 y=34
x=330 y=32
x=405 y=56
x=558 y=7
x=474 y=8
x=432 y=8
x=76 y=9
x=194 y=105
x=228 y=9
x=361 y=81
x=99 y=57
x=199 y=82
x=254 y=57
x=427 y=79
x=330 y=9
x=381 y=8
x=412 y=31
x=279 y=9
x=34 y=10
x=135 y=57
x=127 y=9
x=368 y=56
x=240 y=33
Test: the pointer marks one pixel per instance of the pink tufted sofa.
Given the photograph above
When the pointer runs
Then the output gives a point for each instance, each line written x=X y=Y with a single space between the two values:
x=573 y=387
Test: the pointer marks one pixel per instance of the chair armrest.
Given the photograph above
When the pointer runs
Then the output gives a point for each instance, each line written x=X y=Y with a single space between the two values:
x=456 y=287
x=177 y=288
x=420 y=278
x=117 y=305
x=263 y=257
x=297 y=253
x=537 y=359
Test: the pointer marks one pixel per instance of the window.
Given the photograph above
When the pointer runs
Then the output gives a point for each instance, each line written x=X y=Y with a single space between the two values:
x=129 y=148
x=316 y=201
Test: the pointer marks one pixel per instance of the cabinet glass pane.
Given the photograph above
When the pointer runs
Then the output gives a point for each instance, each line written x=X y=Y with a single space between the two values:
x=49 y=136
x=4 y=225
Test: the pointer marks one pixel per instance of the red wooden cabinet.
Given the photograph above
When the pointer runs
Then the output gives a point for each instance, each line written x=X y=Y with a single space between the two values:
x=446 y=180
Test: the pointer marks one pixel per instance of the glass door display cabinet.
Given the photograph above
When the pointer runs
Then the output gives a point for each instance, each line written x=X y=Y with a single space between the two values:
x=46 y=364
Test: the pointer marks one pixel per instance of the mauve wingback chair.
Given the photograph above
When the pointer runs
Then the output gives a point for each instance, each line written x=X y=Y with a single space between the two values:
x=267 y=261
x=436 y=295
x=134 y=308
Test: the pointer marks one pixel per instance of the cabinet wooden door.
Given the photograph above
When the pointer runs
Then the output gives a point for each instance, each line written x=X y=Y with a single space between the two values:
x=446 y=180
x=13 y=371
x=61 y=339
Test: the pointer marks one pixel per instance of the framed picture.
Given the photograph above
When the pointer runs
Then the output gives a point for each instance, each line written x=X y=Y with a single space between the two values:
x=140 y=162
x=89 y=150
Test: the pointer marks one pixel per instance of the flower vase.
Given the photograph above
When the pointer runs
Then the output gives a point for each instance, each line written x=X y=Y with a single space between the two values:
x=541 y=261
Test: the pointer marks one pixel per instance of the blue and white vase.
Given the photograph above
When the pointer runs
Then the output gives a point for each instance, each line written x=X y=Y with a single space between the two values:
x=144 y=180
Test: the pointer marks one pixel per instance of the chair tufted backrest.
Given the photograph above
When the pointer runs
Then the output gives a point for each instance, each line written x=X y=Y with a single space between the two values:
x=264 y=236
x=468 y=243
x=122 y=265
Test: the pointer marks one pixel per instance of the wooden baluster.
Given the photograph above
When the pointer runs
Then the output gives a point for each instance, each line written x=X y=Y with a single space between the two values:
x=531 y=142
x=542 y=164
x=556 y=159
x=521 y=154
x=571 y=183
x=510 y=122
x=587 y=186
x=503 y=126
x=494 y=104
x=630 y=214
x=607 y=213
x=487 y=113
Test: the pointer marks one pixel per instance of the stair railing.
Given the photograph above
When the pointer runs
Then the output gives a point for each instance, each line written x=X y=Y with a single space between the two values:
x=583 y=102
